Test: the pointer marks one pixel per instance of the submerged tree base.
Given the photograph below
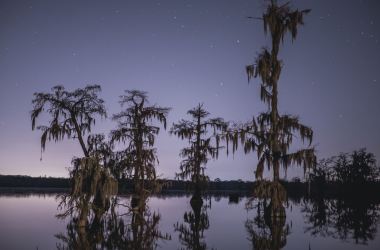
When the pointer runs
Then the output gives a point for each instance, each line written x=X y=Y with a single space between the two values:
x=137 y=201
x=275 y=214
x=276 y=193
x=196 y=202
x=92 y=187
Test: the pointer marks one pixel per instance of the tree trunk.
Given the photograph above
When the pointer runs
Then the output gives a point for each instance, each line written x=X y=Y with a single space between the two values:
x=84 y=210
x=197 y=161
x=80 y=137
x=275 y=211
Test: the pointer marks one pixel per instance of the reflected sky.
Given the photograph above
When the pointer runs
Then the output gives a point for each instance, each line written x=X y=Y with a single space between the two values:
x=28 y=222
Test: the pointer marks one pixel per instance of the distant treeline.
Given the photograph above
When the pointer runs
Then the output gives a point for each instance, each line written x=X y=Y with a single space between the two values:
x=124 y=184
x=33 y=182
x=295 y=188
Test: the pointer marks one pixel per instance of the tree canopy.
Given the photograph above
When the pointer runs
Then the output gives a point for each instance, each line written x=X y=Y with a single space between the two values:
x=357 y=167
x=273 y=133
x=72 y=113
x=137 y=132
x=202 y=144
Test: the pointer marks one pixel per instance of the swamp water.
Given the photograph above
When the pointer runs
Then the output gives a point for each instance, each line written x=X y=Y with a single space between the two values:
x=27 y=221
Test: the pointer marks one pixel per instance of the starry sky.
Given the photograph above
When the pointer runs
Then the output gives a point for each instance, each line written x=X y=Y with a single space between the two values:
x=184 y=52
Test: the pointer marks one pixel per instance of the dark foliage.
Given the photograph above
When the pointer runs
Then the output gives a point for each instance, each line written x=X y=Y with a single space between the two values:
x=138 y=133
x=271 y=134
x=358 y=167
x=33 y=182
x=202 y=145
x=72 y=113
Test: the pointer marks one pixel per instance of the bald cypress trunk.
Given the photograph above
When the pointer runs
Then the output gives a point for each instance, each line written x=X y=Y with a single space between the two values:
x=79 y=134
x=276 y=208
x=198 y=160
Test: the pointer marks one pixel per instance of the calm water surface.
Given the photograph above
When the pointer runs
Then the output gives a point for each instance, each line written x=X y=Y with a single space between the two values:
x=29 y=222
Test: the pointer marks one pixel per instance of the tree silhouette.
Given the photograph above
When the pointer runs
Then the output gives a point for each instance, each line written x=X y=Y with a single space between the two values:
x=92 y=184
x=72 y=113
x=359 y=167
x=137 y=132
x=272 y=134
x=201 y=145
x=356 y=168
x=72 y=116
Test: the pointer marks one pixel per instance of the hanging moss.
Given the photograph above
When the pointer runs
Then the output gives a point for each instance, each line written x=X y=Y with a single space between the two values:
x=203 y=145
x=92 y=187
x=137 y=134
x=272 y=135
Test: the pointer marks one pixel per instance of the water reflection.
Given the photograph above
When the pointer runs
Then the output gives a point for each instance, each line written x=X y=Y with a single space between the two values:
x=264 y=231
x=345 y=219
x=195 y=222
x=134 y=229
x=225 y=225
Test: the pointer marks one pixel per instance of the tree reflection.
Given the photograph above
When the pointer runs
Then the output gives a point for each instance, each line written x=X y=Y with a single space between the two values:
x=191 y=232
x=136 y=229
x=345 y=219
x=144 y=231
x=266 y=232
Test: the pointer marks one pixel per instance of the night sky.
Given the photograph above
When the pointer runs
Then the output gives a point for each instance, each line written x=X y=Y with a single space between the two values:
x=183 y=53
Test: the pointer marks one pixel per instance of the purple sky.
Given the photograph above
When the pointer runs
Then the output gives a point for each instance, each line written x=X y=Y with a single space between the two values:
x=182 y=53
